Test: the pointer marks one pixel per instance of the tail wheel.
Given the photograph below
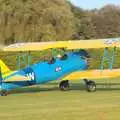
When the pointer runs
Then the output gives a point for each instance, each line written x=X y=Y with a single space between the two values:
x=3 y=93
x=64 y=85
x=90 y=85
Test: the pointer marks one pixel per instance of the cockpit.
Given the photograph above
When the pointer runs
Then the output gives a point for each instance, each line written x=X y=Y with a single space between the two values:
x=62 y=58
x=81 y=53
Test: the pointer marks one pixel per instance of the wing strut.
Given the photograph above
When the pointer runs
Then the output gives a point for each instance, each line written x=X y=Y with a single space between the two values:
x=24 y=59
x=108 y=58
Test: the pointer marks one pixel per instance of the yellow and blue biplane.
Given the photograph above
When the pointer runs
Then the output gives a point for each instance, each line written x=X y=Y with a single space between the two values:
x=70 y=66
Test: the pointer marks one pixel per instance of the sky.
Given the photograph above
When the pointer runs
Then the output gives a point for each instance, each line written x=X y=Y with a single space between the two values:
x=91 y=4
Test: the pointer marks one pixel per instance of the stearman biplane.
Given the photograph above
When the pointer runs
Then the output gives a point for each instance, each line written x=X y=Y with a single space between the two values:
x=71 y=65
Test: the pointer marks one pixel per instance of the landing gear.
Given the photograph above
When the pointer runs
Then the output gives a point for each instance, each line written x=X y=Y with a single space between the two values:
x=90 y=85
x=64 y=85
x=3 y=93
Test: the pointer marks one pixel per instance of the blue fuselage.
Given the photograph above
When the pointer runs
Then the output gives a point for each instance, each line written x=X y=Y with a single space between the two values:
x=44 y=72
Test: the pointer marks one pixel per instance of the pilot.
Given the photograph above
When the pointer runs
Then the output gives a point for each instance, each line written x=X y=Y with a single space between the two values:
x=62 y=57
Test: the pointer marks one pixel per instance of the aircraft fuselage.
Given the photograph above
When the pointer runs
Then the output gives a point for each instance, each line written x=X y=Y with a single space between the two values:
x=43 y=72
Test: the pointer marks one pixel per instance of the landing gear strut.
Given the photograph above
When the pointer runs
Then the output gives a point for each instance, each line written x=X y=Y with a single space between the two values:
x=90 y=85
x=64 y=85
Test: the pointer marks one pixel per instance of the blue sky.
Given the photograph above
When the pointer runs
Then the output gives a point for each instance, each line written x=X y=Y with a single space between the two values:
x=91 y=4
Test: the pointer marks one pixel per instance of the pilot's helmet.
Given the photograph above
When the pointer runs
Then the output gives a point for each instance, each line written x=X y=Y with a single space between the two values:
x=59 y=56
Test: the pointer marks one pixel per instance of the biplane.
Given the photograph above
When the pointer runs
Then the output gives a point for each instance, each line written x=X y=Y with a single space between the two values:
x=72 y=65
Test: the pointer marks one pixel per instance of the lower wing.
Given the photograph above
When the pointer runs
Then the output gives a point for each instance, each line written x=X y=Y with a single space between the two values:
x=93 y=74
x=17 y=78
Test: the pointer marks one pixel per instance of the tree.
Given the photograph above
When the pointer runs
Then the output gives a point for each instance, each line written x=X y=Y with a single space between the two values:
x=35 y=20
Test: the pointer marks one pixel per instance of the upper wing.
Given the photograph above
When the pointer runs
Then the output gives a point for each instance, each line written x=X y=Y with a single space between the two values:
x=93 y=74
x=76 y=44
x=1 y=47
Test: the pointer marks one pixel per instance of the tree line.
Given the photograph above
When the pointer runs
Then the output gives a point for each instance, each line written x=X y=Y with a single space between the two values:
x=52 y=20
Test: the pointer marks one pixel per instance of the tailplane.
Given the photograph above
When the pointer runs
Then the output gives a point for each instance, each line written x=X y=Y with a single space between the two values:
x=3 y=68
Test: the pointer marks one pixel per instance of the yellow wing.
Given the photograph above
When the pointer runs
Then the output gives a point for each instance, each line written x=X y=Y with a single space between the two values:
x=93 y=74
x=76 y=44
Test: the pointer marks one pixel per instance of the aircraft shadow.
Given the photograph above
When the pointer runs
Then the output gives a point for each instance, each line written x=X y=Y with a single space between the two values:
x=76 y=86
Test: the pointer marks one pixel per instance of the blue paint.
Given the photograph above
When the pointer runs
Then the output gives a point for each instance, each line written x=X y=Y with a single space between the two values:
x=43 y=72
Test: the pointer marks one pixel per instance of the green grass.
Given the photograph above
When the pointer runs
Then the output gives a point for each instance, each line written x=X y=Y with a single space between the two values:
x=46 y=102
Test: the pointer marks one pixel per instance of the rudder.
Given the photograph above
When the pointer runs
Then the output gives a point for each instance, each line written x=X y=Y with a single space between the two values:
x=4 y=68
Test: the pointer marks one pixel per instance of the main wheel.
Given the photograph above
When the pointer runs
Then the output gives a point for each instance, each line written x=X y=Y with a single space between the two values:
x=3 y=93
x=90 y=85
x=64 y=85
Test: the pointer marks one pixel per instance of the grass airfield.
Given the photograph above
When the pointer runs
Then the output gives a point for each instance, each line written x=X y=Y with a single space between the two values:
x=46 y=102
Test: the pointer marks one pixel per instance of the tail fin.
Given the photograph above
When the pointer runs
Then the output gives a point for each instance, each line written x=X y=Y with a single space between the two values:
x=3 y=68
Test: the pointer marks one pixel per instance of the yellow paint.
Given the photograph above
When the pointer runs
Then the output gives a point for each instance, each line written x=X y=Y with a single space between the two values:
x=93 y=74
x=76 y=44
x=17 y=78
x=4 y=69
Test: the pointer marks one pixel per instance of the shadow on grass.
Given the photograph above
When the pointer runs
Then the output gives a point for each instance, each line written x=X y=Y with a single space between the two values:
x=33 y=89
x=75 y=86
